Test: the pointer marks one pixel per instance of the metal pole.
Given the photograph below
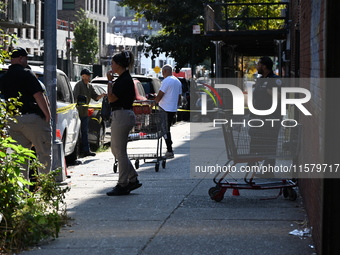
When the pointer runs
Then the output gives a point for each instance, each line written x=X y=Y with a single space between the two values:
x=218 y=63
x=50 y=63
x=68 y=52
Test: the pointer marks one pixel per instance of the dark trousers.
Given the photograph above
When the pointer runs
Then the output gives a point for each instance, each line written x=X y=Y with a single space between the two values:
x=84 y=129
x=167 y=137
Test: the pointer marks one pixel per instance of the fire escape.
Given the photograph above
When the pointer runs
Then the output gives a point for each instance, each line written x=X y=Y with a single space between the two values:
x=255 y=29
x=18 y=14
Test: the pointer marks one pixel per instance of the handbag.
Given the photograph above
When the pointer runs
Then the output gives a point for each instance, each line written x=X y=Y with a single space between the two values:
x=106 y=109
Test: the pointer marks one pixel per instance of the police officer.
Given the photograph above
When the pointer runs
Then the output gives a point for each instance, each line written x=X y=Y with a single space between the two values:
x=33 y=127
x=264 y=138
x=262 y=94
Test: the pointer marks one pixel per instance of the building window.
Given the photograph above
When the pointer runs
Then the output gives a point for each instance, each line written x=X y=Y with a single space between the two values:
x=68 y=4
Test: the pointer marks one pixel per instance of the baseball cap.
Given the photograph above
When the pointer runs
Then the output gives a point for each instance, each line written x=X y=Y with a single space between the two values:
x=18 y=52
x=86 y=71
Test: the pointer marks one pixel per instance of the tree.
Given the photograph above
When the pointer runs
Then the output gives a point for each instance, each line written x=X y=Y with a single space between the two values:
x=5 y=39
x=177 y=18
x=85 y=44
x=175 y=39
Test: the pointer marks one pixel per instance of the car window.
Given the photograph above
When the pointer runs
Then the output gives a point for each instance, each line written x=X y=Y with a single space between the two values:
x=99 y=91
x=64 y=93
x=185 y=85
x=148 y=88
x=140 y=89
x=156 y=85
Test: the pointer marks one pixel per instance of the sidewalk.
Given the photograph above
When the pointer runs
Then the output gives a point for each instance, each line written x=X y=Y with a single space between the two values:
x=171 y=213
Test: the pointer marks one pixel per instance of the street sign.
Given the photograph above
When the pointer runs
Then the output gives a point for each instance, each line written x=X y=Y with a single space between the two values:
x=157 y=69
x=196 y=30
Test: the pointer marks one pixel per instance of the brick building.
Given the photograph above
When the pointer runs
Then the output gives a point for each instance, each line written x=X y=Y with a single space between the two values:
x=315 y=54
x=308 y=50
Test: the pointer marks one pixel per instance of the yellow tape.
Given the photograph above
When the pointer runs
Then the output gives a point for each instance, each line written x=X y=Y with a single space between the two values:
x=65 y=109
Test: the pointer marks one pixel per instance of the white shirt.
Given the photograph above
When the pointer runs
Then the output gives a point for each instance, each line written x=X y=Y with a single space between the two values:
x=172 y=88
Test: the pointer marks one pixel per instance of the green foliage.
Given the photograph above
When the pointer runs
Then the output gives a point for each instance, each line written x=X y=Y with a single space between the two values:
x=177 y=18
x=85 y=44
x=26 y=217
x=6 y=39
x=176 y=39
x=254 y=17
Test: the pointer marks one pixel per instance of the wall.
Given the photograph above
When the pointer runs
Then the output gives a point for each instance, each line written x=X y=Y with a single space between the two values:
x=312 y=65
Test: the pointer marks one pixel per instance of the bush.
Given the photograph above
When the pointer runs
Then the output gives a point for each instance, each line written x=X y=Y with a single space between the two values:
x=26 y=217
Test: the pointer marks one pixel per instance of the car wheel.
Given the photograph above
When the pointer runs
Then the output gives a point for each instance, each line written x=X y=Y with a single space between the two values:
x=75 y=154
x=100 y=138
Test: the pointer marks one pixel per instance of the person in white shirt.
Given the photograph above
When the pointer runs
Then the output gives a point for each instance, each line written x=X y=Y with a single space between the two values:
x=168 y=98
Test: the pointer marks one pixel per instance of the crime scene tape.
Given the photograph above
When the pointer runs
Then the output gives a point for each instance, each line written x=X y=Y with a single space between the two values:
x=65 y=109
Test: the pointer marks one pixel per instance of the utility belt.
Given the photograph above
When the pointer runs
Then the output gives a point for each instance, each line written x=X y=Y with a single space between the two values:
x=35 y=109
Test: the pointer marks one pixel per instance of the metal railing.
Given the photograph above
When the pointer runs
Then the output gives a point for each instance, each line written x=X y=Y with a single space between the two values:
x=231 y=17
x=18 y=13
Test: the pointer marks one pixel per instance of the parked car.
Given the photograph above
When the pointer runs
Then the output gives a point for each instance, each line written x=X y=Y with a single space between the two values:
x=139 y=88
x=67 y=118
x=150 y=84
x=99 y=129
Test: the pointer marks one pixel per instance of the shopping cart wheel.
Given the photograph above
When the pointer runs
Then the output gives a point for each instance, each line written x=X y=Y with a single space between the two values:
x=163 y=163
x=285 y=192
x=137 y=163
x=211 y=191
x=157 y=166
x=216 y=194
x=115 y=167
x=292 y=195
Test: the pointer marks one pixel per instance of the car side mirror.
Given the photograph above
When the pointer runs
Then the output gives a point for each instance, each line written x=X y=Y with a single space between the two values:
x=81 y=100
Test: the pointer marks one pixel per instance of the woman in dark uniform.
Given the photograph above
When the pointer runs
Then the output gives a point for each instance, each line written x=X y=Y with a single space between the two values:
x=121 y=94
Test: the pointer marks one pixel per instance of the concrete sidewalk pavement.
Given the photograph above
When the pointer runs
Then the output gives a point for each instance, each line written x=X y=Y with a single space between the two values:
x=171 y=213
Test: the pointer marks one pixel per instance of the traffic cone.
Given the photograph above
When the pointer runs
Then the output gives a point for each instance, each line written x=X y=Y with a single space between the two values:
x=236 y=192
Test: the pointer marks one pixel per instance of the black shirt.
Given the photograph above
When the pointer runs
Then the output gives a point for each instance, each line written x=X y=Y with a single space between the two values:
x=19 y=79
x=262 y=100
x=124 y=89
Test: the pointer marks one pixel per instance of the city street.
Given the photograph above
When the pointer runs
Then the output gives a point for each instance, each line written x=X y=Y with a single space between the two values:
x=172 y=213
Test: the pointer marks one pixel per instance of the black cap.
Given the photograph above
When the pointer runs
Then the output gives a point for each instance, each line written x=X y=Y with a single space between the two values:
x=85 y=71
x=18 y=52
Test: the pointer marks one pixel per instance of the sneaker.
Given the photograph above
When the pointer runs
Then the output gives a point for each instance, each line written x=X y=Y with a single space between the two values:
x=169 y=154
x=89 y=153
x=134 y=185
x=118 y=191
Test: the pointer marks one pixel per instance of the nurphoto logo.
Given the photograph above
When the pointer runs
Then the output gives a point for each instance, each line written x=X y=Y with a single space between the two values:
x=288 y=96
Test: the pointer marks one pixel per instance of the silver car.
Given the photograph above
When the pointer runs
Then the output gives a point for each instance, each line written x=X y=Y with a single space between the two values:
x=67 y=119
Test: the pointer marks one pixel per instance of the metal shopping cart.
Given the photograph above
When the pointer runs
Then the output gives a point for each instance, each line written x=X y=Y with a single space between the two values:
x=151 y=123
x=248 y=147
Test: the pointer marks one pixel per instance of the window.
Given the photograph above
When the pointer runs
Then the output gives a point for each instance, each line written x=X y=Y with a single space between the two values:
x=68 y=4
x=63 y=90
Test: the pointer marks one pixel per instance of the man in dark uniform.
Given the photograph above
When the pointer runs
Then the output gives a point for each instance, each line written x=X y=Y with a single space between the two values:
x=84 y=89
x=33 y=127
x=264 y=139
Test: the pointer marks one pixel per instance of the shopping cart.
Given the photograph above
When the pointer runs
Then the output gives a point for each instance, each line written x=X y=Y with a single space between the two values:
x=151 y=123
x=249 y=147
